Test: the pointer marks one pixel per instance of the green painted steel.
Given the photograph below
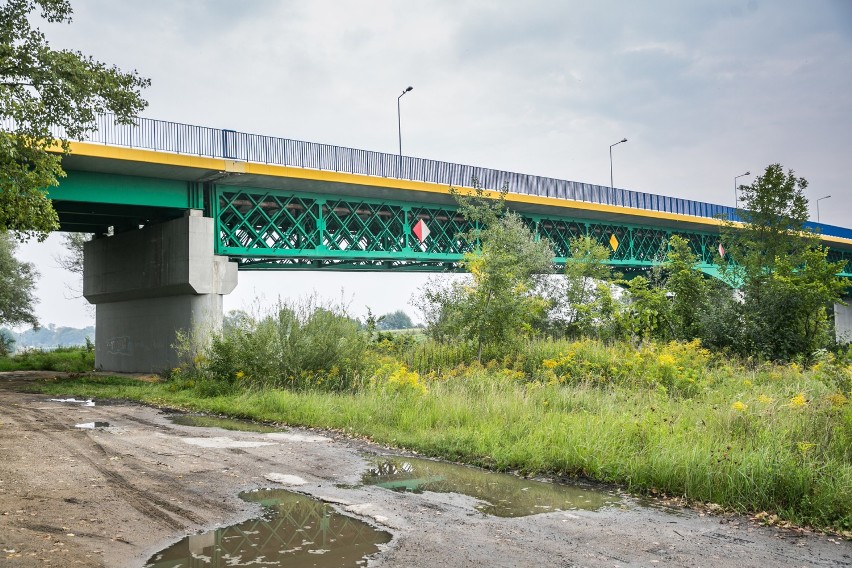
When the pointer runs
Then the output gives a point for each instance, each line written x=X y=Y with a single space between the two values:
x=277 y=230
x=91 y=202
x=114 y=189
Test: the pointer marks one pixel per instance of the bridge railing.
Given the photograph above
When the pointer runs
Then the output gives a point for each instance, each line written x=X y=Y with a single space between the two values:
x=181 y=138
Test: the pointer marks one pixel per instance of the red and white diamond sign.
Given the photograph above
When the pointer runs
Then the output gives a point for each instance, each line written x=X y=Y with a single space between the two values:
x=421 y=231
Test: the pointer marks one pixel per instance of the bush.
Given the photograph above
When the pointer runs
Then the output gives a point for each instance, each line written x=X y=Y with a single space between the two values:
x=300 y=344
x=61 y=359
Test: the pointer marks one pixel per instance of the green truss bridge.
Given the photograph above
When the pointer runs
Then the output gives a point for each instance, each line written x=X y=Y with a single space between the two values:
x=174 y=194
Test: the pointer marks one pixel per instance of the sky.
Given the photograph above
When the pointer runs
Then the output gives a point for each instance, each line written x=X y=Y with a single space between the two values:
x=702 y=90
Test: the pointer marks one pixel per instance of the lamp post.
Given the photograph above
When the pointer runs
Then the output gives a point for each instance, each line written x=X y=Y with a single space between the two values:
x=817 y=204
x=399 y=120
x=736 y=195
x=610 y=161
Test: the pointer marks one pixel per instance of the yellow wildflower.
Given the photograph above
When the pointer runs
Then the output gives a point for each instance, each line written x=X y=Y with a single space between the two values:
x=805 y=447
x=837 y=399
x=764 y=399
x=665 y=359
x=739 y=406
x=240 y=374
x=548 y=363
x=401 y=379
x=798 y=401
x=747 y=383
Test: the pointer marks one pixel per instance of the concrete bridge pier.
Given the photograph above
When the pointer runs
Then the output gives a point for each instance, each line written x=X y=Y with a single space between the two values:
x=843 y=321
x=149 y=283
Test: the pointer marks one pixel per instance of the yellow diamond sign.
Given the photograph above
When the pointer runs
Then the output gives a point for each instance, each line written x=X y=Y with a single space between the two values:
x=613 y=242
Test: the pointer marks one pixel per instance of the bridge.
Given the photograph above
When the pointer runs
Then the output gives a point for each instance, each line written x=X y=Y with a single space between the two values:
x=189 y=206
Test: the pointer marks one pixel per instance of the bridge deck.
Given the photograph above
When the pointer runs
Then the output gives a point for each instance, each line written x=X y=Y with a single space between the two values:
x=306 y=205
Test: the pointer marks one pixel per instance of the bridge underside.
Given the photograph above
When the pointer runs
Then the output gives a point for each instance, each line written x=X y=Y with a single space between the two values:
x=276 y=230
x=266 y=230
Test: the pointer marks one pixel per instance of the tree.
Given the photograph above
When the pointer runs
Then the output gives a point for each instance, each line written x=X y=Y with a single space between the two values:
x=791 y=317
x=501 y=302
x=720 y=318
x=498 y=303
x=440 y=302
x=17 y=283
x=587 y=301
x=649 y=311
x=787 y=280
x=46 y=98
x=72 y=260
x=688 y=288
x=395 y=320
x=7 y=342
x=774 y=216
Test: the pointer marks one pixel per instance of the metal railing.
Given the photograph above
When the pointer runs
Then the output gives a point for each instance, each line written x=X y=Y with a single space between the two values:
x=180 y=138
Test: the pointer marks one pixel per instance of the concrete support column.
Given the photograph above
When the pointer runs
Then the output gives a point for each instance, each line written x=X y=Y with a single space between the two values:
x=149 y=284
x=843 y=321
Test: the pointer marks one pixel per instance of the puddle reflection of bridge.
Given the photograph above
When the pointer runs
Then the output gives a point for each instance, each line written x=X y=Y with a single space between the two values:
x=501 y=495
x=295 y=530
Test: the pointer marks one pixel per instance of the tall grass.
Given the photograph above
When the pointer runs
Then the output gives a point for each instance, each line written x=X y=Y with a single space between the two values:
x=62 y=359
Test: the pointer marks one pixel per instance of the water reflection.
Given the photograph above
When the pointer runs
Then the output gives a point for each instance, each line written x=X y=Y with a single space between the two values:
x=502 y=495
x=92 y=425
x=219 y=422
x=295 y=531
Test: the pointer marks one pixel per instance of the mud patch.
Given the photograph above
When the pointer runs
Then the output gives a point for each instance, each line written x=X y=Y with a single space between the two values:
x=203 y=421
x=501 y=495
x=224 y=442
x=295 y=530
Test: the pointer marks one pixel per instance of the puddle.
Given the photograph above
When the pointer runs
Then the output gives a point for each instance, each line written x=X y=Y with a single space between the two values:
x=89 y=402
x=295 y=530
x=224 y=423
x=285 y=478
x=502 y=495
x=293 y=437
x=224 y=443
x=92 y=425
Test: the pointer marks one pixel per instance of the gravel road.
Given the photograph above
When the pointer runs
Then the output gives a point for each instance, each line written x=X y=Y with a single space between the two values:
x=115 y=495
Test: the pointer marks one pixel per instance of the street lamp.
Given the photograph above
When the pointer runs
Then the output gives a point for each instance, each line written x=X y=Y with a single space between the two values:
x=398 y=120
x=736 y=195
x=610 y=161
x=817 y=204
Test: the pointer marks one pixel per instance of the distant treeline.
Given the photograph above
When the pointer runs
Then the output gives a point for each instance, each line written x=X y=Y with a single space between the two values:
x=50 y=336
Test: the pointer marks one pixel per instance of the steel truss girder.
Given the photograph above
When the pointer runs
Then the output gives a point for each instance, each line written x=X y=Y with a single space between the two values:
x=275 y=230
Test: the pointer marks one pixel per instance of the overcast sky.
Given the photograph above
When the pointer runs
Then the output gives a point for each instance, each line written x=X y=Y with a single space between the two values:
x=703 y=91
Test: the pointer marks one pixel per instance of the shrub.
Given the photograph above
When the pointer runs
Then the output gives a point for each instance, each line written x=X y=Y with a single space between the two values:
x=299 y=344
x=61 y=359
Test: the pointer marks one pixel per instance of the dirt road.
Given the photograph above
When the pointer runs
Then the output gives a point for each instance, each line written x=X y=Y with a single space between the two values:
x=115 y=495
